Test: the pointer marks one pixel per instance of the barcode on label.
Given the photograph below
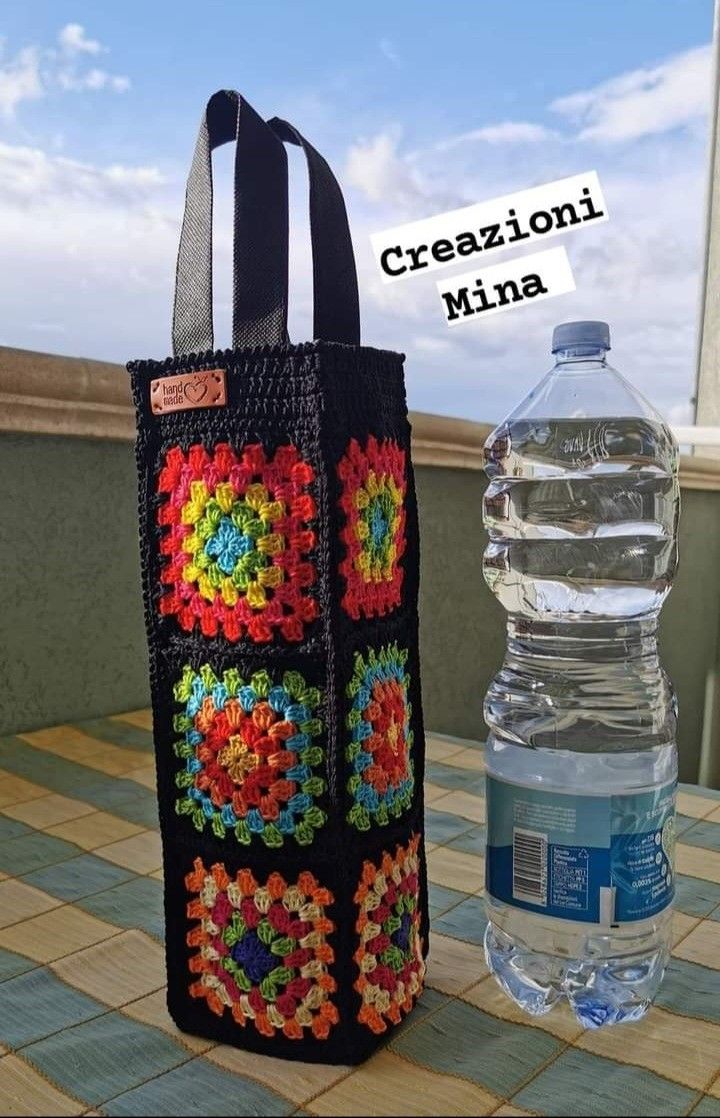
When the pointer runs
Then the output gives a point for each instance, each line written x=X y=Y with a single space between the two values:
x=530 y=867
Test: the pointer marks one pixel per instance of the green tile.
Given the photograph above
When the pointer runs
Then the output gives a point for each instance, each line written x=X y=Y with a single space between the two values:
x=136 y=904
x=441 y=898
x=450 y=776
x=604 y=1088
x=461 y=743
x=699 y=790
x=103 y=1058
x=461 y=1040
x=466 y=921
x=427 y=1003
x=682 y=822
x=202 y=1088
x=472 y=841
x=440 y=826
x=694 y=896
x=707 y=1108
x=691 y=990
x=126 y=798
x=703 y=834
x=31 y=851
x=715 y=914
x=141 y=810
x=12 y=828
x=36 y=1004
x=78 y=877
x=12 y=964
x=118 y=733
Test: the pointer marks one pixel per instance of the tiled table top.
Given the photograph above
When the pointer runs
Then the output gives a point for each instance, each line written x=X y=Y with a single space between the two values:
x=83 y=1025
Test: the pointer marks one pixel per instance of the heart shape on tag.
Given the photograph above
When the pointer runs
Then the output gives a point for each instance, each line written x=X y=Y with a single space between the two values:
x=196 y=391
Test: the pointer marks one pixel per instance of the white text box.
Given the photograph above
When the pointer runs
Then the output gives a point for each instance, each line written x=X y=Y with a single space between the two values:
x=500 y=287
x=476 y=231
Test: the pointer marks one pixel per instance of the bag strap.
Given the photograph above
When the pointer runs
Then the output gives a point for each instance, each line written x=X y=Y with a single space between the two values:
x=336 y=314
x=260 y=242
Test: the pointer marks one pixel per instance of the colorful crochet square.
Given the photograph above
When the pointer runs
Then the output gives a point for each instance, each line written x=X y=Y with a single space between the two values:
x=237 y=542
x=252 y=764
x=262 y=950
x=389 y=957
x=380 y=747
x=373 y=496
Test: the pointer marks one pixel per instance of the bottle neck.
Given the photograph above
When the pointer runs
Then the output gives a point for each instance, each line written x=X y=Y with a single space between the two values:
x=581 y=358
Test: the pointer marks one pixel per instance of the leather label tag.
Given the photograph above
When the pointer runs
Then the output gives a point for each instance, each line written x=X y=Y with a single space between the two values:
x=204 y=389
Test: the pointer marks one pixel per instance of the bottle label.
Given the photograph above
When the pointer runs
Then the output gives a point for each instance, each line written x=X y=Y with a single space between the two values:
x=598 y=859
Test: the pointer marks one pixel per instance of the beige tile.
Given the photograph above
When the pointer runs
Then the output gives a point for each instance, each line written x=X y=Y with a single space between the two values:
x=698 y=862
x=158 y=874
x=714 y=816
x=682 y=925
x=714 y=1088
x=144 y=776
x=489 y=997
x=454 y=966
x=141 y=853
x=140 y=718
x=439 y=750
x=116 y=973
x=304 y=1081
x=465 y=804
x=74 y=745
x=388 y=1084
x=152 y=1010
x=14 y=790
x=434 y=792
x=19 y=901
x=702 y=945
x=55 y=933
x=509 y=1111
x=696 y=806
x=98 y=829
x=473 y=759
x=682 y=1049
x=46 y=811
x=456 y=869
x=24 y=1091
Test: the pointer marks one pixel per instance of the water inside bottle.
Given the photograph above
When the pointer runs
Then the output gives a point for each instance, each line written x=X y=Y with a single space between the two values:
x=581 y=512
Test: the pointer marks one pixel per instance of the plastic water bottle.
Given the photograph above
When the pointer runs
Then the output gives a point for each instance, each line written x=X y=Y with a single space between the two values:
x=581 y=510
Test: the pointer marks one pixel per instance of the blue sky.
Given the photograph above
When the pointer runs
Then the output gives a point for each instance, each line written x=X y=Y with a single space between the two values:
x=419 y=107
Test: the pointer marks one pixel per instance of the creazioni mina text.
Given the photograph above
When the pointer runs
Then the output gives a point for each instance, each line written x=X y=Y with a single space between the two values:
x=396 y=260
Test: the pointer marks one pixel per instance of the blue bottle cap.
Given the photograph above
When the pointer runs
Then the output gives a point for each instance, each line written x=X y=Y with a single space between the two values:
x=573 y=335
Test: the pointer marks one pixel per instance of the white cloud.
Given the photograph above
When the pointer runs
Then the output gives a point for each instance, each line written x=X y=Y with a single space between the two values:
x=390 y=53
x=73 y=40
x=35 y=71
x=89 y=254
x=20 y=80
x=375 y=168
x=643 y=102
x=33 y=180
x=508 y=132
x=94 y=79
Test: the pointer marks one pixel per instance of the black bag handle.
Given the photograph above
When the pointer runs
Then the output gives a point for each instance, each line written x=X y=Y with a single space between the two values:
x=260 y=244
x=260 y=250
x=336 y=313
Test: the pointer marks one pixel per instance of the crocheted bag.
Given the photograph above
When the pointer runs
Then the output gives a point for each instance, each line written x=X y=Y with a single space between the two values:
x=280 y=567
